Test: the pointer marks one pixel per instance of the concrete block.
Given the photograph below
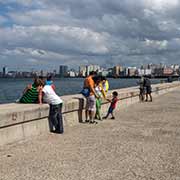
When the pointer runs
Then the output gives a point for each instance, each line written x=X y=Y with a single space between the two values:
x=19 y=121
x=11 y=134
x=35 y=127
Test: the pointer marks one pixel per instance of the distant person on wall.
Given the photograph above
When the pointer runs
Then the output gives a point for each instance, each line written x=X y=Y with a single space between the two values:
x=147 y=85
x=112 y=107
x=33 y=92
x=55 y=112
x=141 y=89
x=91 y=99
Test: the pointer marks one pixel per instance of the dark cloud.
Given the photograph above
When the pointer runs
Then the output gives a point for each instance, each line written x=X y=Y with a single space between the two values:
x=89 y=31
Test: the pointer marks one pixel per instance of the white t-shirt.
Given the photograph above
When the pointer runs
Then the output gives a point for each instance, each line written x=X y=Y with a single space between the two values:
x=98 y=91
x=50 y=96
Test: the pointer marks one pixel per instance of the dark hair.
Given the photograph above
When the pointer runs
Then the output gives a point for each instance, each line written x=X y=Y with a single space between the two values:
x=115 y=93
x=93 y=73
x=49 y=78
x=96 y=79
x=103 y=78
x=41 y=77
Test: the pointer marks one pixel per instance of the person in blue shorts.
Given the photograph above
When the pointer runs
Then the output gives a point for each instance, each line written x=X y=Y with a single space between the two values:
x=112 y=107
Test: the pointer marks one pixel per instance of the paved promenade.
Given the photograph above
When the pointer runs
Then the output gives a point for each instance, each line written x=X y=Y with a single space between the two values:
x=143 y=143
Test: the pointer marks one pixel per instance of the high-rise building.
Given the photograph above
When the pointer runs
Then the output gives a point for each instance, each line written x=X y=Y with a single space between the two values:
x=131 y=71
x=5 y=70
x=117 y=70
x=92 y=68
x=82 y=71
x=63 y=71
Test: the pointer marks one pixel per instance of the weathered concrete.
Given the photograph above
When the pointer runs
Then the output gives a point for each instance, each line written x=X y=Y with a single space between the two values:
x=143 y=143
x=20 y=121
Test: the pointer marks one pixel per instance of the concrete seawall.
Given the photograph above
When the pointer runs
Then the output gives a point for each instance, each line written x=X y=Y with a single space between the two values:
x=20 y=121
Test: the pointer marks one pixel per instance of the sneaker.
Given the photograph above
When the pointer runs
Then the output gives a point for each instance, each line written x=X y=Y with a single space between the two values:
x=93 y=122
x=100 y=119
x=104 y=117
x=113 y=118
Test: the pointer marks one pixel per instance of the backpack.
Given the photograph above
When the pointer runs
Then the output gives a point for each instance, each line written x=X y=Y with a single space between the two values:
x=147 y=82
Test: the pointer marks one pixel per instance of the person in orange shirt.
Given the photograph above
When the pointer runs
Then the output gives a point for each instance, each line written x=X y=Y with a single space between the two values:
x=91 y=99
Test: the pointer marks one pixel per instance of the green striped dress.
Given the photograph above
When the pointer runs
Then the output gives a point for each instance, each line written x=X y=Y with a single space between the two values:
x=31 y=96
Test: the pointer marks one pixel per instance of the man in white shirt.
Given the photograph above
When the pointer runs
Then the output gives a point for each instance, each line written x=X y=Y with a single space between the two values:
x=55 y=112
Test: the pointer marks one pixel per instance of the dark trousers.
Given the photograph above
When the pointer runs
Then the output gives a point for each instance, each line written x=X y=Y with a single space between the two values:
x=55 y=118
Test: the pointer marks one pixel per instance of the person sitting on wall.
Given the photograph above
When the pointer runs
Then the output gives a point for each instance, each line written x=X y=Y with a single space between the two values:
x=33 y=92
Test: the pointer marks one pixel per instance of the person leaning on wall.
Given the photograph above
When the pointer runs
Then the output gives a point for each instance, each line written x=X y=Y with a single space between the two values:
x=33 y=92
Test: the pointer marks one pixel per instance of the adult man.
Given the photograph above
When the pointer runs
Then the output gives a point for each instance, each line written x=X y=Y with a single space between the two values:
x=147 y=85
x=141 y=89
x=91 y=99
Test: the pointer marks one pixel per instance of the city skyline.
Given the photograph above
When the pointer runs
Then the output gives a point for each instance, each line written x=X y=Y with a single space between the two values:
x=151 y=70
x=43 y=34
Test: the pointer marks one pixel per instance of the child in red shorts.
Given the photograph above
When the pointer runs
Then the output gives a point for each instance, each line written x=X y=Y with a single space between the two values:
x=113 y=102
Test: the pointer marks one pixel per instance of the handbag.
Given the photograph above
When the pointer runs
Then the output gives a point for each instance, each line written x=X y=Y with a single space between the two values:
x=85 y=92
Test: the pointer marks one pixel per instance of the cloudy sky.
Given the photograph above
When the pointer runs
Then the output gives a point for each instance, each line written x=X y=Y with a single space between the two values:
x=46 y=33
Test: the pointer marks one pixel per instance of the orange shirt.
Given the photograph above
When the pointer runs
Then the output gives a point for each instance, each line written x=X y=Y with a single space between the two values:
x=89 y=83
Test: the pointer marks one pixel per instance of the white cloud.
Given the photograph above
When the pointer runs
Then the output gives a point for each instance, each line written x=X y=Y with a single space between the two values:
x=162 y=4
x=157 y=44
x=55 y=38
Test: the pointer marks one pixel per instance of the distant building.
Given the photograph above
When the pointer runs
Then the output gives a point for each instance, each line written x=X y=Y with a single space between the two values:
x=5 y=71
x=144 y=72
x=104 y=73
x=72 y=73
x=131 y=71
x=167 y=71
x=92 y=68
x=158 y=71
x=82 y=71
x=117 y=70
x=63 y=71
x=176 y=69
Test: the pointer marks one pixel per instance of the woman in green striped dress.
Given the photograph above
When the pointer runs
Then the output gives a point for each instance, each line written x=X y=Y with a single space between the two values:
x=33 y=92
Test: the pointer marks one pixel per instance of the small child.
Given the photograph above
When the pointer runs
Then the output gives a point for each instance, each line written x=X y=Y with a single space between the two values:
x=98 y=91
x=113 y=102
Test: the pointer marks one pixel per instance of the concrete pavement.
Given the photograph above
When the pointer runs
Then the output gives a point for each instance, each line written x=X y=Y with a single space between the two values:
x=143 y=143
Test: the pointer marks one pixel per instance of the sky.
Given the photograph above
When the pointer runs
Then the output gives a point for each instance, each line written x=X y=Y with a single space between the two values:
x=43 y=34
